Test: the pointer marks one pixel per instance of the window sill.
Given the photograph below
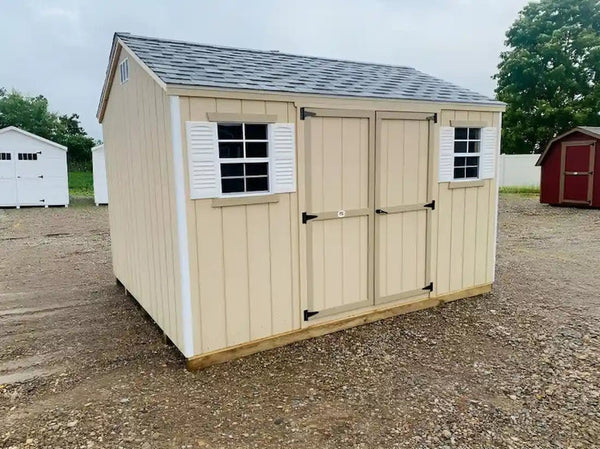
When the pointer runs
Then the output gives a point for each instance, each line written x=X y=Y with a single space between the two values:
x=245 y=200
x=466 y=184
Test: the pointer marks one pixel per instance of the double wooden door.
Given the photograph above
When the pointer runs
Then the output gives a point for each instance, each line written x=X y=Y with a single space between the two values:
x=367 y=208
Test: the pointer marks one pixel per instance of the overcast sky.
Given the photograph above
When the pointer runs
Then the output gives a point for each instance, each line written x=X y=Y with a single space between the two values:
x=59 y=48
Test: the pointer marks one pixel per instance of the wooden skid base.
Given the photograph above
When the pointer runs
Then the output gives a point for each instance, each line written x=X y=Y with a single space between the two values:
x=241 y=350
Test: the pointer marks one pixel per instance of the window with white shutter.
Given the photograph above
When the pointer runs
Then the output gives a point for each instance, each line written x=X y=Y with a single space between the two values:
x=467 y=153
x=241 y=159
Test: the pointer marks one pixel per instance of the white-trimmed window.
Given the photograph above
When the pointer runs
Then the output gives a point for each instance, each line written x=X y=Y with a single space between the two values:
x=5 y=156
x=28 y=156
x=124 y=71
x=467 y=146
x=228 y=159
x=243 y=157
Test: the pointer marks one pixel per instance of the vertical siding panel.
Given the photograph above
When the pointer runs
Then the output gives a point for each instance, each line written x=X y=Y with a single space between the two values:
x=470 y=234
x=457 y=239
x=143 y=225
x=481 y=228
x=259 y=270
x=281 y=274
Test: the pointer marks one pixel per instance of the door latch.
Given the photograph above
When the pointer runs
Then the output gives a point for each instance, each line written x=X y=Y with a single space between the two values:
x=381 y=212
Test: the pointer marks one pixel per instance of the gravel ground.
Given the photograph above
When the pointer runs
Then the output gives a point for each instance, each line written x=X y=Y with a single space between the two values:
x=81 y=367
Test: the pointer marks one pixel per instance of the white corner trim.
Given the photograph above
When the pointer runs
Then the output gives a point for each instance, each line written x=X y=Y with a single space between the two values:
x=182 y=237
x=497 y=183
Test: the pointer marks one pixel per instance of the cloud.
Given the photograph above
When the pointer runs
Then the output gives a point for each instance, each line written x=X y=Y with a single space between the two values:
x=59 y=48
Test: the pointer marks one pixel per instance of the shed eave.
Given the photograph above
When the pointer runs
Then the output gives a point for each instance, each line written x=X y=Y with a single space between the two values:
x=198 y=90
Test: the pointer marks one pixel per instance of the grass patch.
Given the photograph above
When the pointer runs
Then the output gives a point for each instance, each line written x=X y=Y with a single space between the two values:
x=81 y=183
x=521 y=190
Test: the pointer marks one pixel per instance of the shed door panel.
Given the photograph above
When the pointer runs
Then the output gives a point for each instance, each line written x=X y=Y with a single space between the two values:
x=337 y=179
x=8 y=182
x=578 y=172
x=401 y=219
x=30 y=182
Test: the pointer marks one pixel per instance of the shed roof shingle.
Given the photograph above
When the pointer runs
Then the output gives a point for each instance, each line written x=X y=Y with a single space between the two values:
x=190 y=64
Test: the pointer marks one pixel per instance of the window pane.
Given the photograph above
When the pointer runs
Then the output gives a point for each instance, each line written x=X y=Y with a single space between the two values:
x=472 y=172
x=459 y=173
x=231 y=149
x=230 y=131
x=460 y=147
x=460 y=133
x=474 y=133
x=256 y=149
x=472 y=161
x=459 y=161
x=230 y=185
x=474 y=147
x=232 y=170
x=257 y=184
x=259 y=168
x=256 y=132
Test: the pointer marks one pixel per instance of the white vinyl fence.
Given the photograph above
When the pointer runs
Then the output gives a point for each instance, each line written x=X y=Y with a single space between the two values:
x=518 y=170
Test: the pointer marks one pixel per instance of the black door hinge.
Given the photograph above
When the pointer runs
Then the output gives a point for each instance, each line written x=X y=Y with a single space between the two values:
x=41 y=176
x=431 y=205
x=380 y=212
x=308 y=314
x=433 y=117
x=306 y=217
x=304 y=113
x=42 y=201
x=429 y=287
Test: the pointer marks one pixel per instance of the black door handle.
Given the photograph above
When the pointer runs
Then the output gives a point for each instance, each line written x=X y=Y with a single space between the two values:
x=380 y=212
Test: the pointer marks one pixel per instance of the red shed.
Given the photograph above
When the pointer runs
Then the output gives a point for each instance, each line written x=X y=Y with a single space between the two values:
x=568 y=166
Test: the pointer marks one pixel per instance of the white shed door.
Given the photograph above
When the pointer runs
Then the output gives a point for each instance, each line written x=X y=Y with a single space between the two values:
x=30 y=179
x=8 y=183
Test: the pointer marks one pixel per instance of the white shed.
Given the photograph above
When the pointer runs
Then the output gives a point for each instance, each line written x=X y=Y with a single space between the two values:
x=33 y=170
x=99 y=169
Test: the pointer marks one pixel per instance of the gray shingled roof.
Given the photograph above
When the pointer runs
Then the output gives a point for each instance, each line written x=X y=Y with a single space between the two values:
x=190 y=64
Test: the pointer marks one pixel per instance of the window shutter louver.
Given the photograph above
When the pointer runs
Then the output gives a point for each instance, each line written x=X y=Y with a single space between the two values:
x=489 y=146
x=203 y=159
x=446 y=167
x=283 y=157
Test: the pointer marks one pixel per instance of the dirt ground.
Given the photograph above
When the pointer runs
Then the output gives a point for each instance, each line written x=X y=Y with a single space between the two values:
x=81 y=367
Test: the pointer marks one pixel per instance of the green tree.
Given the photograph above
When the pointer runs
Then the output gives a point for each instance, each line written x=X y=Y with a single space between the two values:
x=32 y=114
x=550 y=75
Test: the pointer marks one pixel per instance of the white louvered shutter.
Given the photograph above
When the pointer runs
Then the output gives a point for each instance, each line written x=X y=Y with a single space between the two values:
x=282 y=137
x=446 y=167
x=203 y=159
x=489 y=147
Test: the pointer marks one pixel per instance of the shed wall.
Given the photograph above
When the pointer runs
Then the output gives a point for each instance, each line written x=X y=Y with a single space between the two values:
x=143 y=226
x=99 y=172
x=463 y=236
x=246 y=261
x=243 y=259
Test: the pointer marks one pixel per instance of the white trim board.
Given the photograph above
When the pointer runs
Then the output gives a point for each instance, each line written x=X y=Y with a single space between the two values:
x=182 y=235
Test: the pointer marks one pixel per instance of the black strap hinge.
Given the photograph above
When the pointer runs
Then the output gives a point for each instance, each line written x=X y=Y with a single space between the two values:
x=431 y=205
x=433 y=117
x=306 y=217
x=308 y=314
x=304 y=113
x=381 y=212
x=429 y=287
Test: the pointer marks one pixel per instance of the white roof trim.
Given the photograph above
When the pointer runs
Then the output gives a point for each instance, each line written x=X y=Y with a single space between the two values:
x=33 y=136
x=97 y=147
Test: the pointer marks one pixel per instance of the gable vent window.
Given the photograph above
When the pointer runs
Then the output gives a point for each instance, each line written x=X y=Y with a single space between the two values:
x=5 y=156
x=28 y=156
x=124 y=71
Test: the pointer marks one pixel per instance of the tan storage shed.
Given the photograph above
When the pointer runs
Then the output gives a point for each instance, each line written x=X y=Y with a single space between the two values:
x=259 y=198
